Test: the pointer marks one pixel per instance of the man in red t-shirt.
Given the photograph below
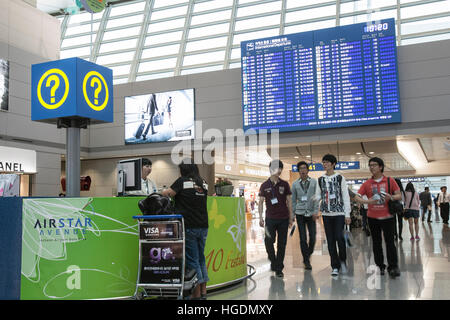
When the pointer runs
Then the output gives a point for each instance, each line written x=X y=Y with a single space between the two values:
x=379 y=192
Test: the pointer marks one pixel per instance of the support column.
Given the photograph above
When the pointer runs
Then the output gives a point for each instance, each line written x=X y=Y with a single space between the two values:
x=73 y=164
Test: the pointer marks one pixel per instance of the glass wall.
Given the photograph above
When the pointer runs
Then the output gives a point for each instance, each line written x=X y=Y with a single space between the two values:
x=149 y=39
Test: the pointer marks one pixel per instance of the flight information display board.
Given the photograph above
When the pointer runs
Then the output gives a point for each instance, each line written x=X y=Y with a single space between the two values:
x=335 y=77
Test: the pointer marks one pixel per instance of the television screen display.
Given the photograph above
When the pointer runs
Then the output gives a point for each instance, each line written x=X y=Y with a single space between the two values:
x=335 y=77
x=159 y=117
x=4 y=84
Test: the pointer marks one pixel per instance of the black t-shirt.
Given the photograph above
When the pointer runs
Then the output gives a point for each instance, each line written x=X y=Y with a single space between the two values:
x=190 y=201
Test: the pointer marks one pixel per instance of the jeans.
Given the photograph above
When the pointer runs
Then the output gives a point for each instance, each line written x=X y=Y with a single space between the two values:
x=307 y=249
x=276 y=229
x=387 y=226
x=195 y=240
x=444 y=212
x=363 y=212
x=424 y=210
x=334 y=231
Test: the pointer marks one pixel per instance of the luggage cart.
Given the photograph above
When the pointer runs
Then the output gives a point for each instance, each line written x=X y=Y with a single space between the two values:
x=161 y=271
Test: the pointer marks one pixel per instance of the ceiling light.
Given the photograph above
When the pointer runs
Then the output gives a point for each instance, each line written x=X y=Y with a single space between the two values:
x=296 y=157
x=371 y=152
x=308 y=156
x=358 y=153
x=412 y=152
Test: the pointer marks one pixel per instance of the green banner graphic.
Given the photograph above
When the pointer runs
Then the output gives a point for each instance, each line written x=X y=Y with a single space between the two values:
x=88 y=248
x=226 y=250
x=79 y=248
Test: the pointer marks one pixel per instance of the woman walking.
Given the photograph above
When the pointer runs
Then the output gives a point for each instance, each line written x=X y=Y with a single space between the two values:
x=412 y=204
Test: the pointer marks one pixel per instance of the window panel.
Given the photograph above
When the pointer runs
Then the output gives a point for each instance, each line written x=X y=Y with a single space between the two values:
x=165 y=3
x=78 y=52
x=204 y=58
x=77 y=41
x=112 y=23
x=72 y=30
x=235 y=53
x=206 y=44
x=127 y=8
x=83 y=17
x=157 y=65
x=302 y=15
x=444 y=36
x=299 y=3
x=115 y=58
x=235 y=65
x=155 y=76
x=255 y=35
x=120 y=70
x=156 y=15
x=378 y=15
x=160 y=51
x=166 y=25
x=425 y=9
x=257 y=22
x=203 y=69
x=209 y=5
x=122 y=33
x=354 y=6
x=310 y=26
x=163 y=38
x=210 y=17
x=426 y=25
x=120 y=81
x=118 y=45
x=260 y=8
x=209 y=31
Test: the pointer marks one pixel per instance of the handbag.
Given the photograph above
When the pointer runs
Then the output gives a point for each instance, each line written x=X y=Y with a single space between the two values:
x=395 y=206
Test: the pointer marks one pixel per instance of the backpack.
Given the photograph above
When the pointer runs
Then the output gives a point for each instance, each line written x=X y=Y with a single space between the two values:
x=156 y=204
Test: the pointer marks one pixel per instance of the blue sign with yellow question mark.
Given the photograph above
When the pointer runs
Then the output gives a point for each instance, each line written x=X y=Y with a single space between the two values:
x=71 y=88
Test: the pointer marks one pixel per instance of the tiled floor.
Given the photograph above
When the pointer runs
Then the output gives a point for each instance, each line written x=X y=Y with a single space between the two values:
x=424 y=266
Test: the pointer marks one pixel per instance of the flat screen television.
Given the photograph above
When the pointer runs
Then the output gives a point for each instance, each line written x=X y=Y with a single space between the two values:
x=4 y=84
x=159 y=117
x=335 y=77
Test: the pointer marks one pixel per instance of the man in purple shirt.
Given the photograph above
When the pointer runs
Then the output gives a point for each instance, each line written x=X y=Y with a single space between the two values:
x=277 y=194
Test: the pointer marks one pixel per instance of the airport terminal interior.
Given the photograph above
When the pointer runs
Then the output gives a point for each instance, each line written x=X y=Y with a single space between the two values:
x=354 y=78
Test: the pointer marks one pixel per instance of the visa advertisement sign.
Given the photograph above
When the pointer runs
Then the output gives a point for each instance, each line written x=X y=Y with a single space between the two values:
x=71 y=88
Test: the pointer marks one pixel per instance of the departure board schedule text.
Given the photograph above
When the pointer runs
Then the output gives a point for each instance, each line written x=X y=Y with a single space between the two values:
x=335 y=77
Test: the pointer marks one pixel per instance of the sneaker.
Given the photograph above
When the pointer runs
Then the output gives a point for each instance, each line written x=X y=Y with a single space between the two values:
x=279 y=274
x=382 y=270
x=412 y=238
x=394 y=272
x=417 y=238
x=335 y=272
x=344 y=269
x=308 y=265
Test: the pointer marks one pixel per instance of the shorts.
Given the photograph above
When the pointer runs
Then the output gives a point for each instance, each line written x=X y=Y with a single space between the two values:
x=410 y=213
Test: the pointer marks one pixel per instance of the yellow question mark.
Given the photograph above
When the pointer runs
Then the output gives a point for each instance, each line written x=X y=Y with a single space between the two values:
x=97 y=81
x=55 y=80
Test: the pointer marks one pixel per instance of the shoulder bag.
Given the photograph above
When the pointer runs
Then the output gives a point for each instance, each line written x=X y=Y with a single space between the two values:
x=395 y=206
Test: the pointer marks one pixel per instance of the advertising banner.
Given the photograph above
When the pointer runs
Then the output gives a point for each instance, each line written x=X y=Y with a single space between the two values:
x=161 y=262
x=79 y=248
x=88 y=248
x=159 y=230
x=226 y=250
